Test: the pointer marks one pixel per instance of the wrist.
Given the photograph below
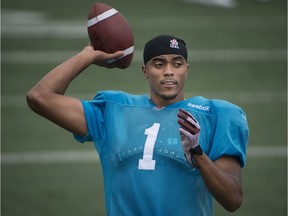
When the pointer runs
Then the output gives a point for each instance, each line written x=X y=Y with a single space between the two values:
x=87 y=56
x=196 y=152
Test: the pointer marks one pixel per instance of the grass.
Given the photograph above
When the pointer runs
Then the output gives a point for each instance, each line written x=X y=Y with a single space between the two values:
x=77 y=189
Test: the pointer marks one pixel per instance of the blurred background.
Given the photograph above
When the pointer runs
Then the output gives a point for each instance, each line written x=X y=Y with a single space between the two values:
x=237 y=52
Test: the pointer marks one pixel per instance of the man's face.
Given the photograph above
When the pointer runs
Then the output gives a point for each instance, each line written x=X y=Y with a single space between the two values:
x=166 y=75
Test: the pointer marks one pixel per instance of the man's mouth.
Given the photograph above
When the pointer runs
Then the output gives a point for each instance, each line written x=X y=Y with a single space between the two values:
x=168 y=82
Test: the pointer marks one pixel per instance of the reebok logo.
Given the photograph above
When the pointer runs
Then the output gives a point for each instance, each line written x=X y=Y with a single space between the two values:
x=199 y=107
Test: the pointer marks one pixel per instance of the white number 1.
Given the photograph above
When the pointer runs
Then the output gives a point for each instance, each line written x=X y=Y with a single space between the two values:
x=147 y=163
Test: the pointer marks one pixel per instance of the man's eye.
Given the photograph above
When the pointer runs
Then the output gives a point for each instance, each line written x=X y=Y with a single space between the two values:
x=158 y=65
x=178 y=64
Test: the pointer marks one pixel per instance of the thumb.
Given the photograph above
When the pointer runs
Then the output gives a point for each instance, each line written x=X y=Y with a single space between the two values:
x=103 y=56
x=115 y=55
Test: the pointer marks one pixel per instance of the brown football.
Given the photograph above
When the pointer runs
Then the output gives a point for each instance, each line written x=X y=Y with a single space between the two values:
x=109 y=31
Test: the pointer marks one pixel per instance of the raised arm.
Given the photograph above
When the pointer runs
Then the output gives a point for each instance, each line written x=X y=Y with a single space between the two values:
x=47 y=97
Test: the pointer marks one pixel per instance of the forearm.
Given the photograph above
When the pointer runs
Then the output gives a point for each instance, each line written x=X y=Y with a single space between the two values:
x=223 y=183
x=58 y=79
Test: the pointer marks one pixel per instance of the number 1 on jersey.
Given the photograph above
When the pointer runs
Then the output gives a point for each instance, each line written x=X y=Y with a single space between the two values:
x=147 y=163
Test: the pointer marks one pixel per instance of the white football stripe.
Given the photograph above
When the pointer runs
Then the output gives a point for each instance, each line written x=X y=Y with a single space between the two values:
x=101 y=17
x=127 y=51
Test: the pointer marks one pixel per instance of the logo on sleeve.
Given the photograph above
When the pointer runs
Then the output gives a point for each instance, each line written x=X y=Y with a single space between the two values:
x=199 y=107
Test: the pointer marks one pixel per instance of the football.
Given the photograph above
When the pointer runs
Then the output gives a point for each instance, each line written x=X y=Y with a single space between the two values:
x=109 y=31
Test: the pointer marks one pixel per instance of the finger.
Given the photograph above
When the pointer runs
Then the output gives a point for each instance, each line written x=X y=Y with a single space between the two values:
x=103 y=58
x=188 y=120
x=115 y=57
x=185 y=133
x=185 y=115
x=182 y=116
x=117 y=54
x=188 y=115
x=184 y=111
x=186 y=124
x=190 y=128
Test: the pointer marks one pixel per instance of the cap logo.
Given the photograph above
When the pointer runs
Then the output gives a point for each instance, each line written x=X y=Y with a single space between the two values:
x=174 y=44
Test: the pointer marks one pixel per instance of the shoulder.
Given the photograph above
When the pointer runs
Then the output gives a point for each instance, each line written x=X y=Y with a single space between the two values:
x=212 y=106
x=120 y=97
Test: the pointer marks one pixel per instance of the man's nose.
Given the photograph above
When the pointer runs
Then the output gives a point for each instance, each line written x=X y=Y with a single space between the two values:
x=169 y=70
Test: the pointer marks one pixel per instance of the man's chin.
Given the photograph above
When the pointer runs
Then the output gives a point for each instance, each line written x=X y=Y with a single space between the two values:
x=168 y=96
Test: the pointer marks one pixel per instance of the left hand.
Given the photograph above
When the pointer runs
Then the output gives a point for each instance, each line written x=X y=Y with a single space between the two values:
x=189 y=133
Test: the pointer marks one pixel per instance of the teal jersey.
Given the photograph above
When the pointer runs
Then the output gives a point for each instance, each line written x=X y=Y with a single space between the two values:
x=144 y=167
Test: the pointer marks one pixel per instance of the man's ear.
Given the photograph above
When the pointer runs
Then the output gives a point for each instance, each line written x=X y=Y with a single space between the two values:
x=187 y=71
x=144 y=71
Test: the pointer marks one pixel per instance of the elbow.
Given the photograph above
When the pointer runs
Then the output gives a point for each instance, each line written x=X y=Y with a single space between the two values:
x=234 y=204
x=33 y=99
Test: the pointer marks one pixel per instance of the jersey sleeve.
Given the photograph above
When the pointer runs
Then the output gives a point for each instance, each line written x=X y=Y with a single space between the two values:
x=231 y=135
x=94 y=115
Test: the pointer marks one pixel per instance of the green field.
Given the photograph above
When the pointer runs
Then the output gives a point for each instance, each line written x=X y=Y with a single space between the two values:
x=237 y=54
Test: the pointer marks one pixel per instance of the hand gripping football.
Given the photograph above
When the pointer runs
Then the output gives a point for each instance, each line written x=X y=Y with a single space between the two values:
x=109 y=31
